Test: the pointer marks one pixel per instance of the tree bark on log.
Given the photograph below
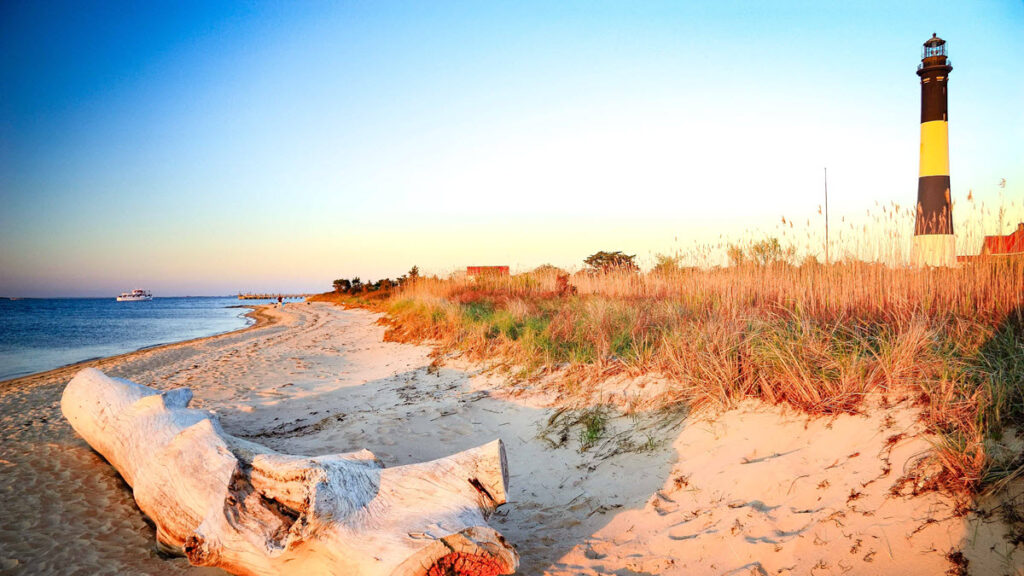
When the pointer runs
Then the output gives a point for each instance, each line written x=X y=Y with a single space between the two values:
x=227 y=502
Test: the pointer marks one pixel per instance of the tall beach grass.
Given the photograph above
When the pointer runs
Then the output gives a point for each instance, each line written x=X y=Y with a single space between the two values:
x=822 y=338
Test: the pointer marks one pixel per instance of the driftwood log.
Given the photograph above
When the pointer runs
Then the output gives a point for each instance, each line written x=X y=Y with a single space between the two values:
x=227 y=502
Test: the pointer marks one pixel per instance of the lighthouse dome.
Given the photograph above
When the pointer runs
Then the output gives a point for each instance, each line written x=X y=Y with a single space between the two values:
x=934 y=51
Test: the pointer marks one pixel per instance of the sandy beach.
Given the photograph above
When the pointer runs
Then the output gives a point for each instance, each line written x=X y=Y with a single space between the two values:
x=753 y=490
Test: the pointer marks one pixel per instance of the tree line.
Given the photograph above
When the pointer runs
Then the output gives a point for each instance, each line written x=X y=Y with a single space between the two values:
x=355 y=285
x=767 y=252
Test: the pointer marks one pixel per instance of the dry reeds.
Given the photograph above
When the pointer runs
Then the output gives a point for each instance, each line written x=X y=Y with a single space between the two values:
x=817 y=337
x=820 y=337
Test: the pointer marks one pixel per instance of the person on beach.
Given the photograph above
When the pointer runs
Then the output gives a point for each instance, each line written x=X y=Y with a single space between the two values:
x=279 y=303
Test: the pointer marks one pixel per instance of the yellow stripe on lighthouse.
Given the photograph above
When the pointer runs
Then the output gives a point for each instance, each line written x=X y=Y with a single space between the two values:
x=934 y=149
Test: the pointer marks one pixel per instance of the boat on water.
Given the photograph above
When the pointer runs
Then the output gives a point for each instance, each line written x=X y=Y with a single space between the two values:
x=137 y=295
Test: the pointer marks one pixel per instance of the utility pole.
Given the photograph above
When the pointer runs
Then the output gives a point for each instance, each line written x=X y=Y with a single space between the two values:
x=826 y=216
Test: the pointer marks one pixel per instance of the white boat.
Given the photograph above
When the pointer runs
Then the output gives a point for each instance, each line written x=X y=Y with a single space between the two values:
x=137 y=295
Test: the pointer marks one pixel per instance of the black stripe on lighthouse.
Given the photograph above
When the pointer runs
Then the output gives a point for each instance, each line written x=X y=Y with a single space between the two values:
x=933 y=96
x=933 y=204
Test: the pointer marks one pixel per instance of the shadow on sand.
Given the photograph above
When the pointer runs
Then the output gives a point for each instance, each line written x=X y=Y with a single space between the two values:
x=994 y=534
x=564 y=484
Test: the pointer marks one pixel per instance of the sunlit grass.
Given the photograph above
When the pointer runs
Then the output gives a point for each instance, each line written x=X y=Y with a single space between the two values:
x=789 y=329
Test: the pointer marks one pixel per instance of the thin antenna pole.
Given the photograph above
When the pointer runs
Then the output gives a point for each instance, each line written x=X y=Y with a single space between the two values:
x=826 y=215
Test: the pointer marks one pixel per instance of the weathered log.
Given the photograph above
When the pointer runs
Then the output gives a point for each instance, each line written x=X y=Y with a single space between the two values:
x=227 y=502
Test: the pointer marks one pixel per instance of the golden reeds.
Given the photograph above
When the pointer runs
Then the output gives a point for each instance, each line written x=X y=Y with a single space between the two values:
x=819 y=337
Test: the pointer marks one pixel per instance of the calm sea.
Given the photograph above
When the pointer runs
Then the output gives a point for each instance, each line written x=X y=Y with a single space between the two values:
x=38 y=334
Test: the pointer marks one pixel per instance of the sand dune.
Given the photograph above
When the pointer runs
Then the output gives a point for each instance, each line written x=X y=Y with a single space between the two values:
x=755 y=490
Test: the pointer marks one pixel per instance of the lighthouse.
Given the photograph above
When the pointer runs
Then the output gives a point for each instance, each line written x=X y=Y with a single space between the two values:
x=933 y=227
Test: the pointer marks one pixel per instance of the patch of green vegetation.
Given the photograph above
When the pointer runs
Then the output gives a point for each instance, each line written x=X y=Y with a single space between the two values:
x=559 y=350
x=478 y=311
x=593 y=422
x=999 y=365
x=437 y=315
x=650 y=445
x=503 y=323
x=400 y=305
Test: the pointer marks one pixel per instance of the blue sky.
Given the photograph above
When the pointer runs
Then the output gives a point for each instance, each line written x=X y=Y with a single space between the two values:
x=206 y=148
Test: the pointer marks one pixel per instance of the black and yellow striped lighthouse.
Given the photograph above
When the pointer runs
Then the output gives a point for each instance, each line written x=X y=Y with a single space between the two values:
x=933 y=229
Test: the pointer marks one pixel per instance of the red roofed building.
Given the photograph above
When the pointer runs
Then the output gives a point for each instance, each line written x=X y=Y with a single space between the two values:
x=478 y=271
x=1004 y=245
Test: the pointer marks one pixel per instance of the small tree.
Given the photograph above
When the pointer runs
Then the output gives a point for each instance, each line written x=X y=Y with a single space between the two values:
x=547 y=270
x=414 y=273
x=666 y=265
x=611 y=262
x=356 y=284
x=769 y=251
x=342 y=285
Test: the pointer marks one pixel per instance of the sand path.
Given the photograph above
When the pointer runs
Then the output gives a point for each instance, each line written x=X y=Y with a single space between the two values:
x=755 y=490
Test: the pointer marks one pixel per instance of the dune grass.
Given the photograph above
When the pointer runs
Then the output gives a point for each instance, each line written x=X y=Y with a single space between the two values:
x=823 y=338
x=820 y=338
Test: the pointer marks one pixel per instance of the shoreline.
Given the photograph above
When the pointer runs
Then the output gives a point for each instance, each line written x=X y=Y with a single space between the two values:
x=754 y=487
x=257 y=313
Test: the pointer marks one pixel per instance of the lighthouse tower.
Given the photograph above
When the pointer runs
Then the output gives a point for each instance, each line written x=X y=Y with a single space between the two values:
x=933 y=229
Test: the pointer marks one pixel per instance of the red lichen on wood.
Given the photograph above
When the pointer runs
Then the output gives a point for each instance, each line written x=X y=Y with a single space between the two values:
x=461 y=564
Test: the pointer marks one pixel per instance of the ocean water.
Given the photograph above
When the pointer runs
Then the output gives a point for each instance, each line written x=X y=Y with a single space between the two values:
x=38 y=334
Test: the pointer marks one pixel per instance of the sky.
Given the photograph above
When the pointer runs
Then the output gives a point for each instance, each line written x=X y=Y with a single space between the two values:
x=213 y=147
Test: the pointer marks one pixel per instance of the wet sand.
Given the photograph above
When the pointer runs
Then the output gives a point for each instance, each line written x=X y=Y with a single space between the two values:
x=754 y=490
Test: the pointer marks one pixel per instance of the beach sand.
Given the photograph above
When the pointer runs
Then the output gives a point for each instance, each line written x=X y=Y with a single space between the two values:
x=753 y=490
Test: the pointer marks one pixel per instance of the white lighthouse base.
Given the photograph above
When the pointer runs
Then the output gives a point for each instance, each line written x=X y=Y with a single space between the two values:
x=934 y=250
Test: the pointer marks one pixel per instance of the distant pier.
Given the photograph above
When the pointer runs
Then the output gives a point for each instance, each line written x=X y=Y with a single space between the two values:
x=268 y=296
